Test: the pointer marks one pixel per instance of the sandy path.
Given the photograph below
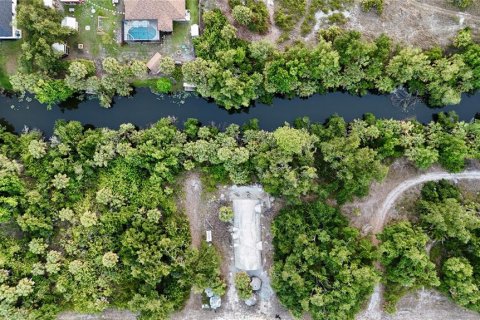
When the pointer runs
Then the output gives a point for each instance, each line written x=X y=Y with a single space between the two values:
x=393 y=196
x=193 y=206
x=432 y=8
x=425 y=304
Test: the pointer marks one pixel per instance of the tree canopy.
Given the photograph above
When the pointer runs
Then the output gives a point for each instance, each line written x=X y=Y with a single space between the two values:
x=321 y=265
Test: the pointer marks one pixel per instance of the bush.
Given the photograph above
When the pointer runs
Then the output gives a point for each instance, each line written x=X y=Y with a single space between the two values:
x=167 y=66
x=436 y=191
x=225 y=214
x=462 y=4
x=164 y=85
x=368 y=5
x=337 y=18
x=242 y=284
x=252 y=14
x=242 y=15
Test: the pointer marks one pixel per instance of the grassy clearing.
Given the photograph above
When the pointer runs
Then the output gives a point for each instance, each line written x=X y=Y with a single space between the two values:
x=9 y=52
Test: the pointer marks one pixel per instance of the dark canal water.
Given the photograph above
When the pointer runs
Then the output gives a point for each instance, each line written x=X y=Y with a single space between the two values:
x=145 y=108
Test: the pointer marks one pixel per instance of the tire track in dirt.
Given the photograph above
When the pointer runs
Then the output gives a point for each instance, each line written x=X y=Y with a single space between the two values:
x=393 y=196
x=430 y=7
x=374 y=310
x=193 y=207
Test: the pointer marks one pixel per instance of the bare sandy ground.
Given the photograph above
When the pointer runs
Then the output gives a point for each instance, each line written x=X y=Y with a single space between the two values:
x=413 y=22
x=421 y=23
x=371 y=213
x=192 y=206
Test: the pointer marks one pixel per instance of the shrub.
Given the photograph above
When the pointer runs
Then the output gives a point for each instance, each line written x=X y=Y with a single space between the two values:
x=462 y=4
x=242 y=284
x=252 y=14
x=242 y=15
x=164 y=85
x=368 y=5
x=225 y=214
x=337 y=18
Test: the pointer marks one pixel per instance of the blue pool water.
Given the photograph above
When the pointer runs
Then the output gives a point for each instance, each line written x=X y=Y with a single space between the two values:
x=142 y=33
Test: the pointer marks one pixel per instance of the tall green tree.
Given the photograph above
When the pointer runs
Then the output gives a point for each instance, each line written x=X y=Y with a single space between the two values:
x=321 y=265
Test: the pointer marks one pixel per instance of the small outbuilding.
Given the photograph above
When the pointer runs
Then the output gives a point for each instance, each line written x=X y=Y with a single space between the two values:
x=61 y=48
x=194 y=30
x=154 y=63
x=48 y=3
x=70 y=22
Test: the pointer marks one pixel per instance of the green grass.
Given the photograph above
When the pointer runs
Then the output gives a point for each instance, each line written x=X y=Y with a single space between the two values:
x=9 y=52
x=181 y=30
x=146 y=83
x=4 y=82
x=192 y=5
x=99 y=45
x=95 y=40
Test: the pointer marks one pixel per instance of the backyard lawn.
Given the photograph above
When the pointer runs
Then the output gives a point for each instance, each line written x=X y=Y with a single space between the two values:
x=103 y=20
x=9 y=51
x=104 y=37
x=180 y=40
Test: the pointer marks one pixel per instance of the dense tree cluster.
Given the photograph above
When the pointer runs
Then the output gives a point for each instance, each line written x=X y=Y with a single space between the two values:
x=235 y=72
x=321 y=265
x=453 y=223
x=88 y=218
x=89 y=222
x=39 y=64
x=406 y=262
x=347 y=157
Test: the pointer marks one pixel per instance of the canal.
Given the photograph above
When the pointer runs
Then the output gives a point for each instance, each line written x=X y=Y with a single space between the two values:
x=144 y=108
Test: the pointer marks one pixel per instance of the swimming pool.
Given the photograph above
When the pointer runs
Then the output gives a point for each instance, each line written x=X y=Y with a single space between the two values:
x=141 y=31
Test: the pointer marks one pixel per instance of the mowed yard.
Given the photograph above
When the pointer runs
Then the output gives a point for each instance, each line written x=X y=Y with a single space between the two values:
x=99 y=23
x=100 y=32
x=9 y=51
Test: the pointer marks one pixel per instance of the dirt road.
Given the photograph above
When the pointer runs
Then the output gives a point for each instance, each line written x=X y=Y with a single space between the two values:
x=393 y=196
x=423 y=304
x=193 y=207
